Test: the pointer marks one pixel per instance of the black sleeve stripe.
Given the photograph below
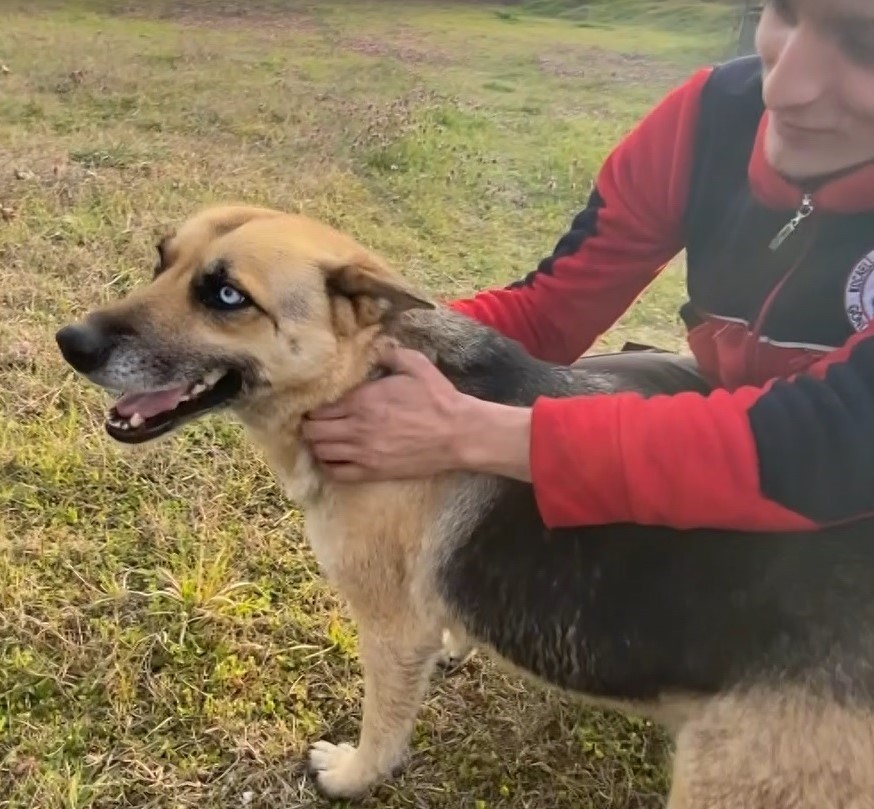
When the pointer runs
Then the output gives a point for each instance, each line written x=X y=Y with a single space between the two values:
x=583 y=226
x=815 y=440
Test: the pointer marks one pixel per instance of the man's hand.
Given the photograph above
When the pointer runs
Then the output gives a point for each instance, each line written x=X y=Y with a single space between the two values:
x=415 y=423
x=404 y=425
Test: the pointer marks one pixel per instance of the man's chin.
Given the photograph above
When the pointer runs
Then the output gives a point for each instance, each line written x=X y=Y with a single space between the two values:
x=801 y=162
x=789 y=161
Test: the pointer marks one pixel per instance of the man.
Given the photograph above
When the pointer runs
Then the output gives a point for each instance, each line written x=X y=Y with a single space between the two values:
x=763 y=170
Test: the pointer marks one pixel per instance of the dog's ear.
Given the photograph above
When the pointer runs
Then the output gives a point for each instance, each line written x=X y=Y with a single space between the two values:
x=373 y=294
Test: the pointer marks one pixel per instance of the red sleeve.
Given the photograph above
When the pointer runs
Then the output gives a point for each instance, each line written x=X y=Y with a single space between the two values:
x=797 y=453
x=629 y=230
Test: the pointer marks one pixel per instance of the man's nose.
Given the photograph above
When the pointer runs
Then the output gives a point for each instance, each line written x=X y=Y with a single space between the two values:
x=802 y=73
x=84 y=346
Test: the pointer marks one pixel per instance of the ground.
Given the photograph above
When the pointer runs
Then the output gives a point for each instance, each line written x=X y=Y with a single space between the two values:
x=165 y=637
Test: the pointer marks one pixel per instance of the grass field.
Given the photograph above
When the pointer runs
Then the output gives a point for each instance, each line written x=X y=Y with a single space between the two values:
x=165 y=637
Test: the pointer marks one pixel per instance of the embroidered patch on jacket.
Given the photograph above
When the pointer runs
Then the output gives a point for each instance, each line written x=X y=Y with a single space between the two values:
x=859 y=293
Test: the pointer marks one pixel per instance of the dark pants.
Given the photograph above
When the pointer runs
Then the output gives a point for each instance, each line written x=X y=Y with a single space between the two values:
x=648 y=370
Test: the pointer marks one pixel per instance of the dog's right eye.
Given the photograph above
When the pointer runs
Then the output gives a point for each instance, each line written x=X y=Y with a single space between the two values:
x=223 y=296
x=231 y=297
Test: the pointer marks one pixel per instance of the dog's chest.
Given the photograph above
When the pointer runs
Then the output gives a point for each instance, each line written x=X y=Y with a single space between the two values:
x=299 y=478
x=327 y=540
x=302 y=485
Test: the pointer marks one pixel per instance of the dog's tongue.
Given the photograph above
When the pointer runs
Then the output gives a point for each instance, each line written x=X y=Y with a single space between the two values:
x=150 y=403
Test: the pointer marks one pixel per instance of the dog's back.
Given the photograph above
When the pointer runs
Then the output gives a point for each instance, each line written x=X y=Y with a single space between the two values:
x=757 y=648
x=634 y=612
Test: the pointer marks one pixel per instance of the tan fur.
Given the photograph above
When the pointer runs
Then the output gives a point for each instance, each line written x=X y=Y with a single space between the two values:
x=789 y=749
x=325 y=297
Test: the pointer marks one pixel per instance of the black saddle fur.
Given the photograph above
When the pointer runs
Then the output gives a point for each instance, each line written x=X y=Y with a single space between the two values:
x=633 y=612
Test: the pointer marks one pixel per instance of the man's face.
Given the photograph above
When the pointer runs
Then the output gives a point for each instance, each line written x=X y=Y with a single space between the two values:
x=818 y=58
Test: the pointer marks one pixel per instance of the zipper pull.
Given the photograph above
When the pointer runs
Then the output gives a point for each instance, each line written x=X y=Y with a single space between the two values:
x=804 y=210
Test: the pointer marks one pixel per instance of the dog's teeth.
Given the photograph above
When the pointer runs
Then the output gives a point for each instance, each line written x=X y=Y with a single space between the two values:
x=117 y=423
x=136 y=420
x=198 y=389
x=212 y=377
x=184 y=398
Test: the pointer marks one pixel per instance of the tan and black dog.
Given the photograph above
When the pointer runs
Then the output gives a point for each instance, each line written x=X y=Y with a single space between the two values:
x=757 y=650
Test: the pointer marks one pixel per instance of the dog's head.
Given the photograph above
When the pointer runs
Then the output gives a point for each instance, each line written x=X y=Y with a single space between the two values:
x=246 y=304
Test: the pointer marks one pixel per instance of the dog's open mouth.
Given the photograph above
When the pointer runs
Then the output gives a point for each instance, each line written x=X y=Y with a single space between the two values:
x=145 y=415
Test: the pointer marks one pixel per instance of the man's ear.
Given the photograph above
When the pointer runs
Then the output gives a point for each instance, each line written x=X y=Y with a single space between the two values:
x=374 y=294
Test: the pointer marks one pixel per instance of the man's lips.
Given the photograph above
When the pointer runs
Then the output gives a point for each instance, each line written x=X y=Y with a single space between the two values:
x=794 y=129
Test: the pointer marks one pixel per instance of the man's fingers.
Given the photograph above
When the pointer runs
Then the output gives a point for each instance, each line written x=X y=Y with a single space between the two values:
x=330 y=430
x=402 y=360
x=336 y=410
x=345 y=472
x=333 y=452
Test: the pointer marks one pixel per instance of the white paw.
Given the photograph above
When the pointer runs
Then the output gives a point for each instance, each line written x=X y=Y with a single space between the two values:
x=340 y=770
x=455 y=652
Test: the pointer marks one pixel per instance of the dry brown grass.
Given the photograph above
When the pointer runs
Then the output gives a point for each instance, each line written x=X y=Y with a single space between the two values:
x=165 y=638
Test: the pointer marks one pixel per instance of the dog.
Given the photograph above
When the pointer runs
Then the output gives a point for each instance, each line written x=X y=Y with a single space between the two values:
x=755 y=651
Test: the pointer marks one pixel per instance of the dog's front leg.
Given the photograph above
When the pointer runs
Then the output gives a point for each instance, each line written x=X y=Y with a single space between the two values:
x=397 y=668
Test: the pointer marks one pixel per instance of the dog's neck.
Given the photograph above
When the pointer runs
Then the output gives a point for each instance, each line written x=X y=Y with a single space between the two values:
x=274 y=424
x=477 y=360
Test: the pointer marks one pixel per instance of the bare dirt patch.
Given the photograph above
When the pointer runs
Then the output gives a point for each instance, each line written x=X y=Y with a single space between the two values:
x=598 y=64
x=407 y=52
x=286 y=18
x=223 y=14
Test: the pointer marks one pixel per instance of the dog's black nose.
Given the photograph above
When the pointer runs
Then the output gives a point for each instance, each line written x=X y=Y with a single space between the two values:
x=84 y=347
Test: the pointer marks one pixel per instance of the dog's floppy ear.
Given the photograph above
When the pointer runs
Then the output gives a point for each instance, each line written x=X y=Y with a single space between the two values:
x=373 y=293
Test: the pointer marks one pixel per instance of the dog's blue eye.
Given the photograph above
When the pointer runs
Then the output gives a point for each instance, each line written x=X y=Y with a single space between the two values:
x=216 y=291
x=228 y=296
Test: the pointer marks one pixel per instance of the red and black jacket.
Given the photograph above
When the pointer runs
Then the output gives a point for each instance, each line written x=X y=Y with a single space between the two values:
x=782 y=326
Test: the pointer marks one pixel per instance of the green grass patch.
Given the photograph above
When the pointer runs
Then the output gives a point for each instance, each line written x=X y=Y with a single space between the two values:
x=676 y=16
x=166 y=639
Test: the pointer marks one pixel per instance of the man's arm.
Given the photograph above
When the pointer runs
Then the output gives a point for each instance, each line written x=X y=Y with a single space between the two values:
x=797 y=453
x=629 y=230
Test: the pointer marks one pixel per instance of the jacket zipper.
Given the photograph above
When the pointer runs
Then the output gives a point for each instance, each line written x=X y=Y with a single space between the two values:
x=805 y=209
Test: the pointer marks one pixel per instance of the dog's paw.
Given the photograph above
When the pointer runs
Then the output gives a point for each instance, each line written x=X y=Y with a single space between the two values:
x=455 y=652
x=340 y=770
